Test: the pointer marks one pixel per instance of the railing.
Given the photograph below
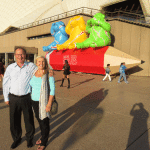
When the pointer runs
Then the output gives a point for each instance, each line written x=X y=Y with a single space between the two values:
x=127 y=16
x=82 y=10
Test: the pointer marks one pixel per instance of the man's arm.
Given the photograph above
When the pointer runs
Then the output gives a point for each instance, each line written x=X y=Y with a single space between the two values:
x=6 y=86
x=33 y=68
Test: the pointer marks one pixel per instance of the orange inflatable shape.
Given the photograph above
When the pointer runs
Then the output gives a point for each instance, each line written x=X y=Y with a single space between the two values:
x=76 y=30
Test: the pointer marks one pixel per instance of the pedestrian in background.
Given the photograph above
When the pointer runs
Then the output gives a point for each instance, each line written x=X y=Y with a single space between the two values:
x=107 y=73
x=122 y=72
x=66 y=73
x=16 y=91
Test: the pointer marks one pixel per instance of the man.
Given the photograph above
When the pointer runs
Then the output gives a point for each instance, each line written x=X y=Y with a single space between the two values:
x=122 y=73
x=107 y=73
x=16 y=90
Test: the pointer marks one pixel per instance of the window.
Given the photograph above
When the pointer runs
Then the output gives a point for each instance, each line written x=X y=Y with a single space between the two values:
x=39 y=36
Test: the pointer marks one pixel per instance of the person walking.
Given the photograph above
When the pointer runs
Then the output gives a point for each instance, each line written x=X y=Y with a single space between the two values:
x=16 y=91
x=122 y=72
x=43 y=91
x=107 y=73
x=66 y=73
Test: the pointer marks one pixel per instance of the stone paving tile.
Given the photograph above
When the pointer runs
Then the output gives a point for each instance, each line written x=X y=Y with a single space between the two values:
x=141 y=143
x=92 y=115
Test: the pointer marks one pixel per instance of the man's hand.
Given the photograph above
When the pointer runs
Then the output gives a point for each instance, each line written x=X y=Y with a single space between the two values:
x=7 y=103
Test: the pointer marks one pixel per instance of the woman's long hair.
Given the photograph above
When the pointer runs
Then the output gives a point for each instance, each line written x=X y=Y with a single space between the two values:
x=51 y=73
x=66 y=64
x=46 y=64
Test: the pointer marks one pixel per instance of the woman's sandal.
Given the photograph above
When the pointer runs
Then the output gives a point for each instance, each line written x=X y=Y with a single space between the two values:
x=41 y=147
x=38 y=142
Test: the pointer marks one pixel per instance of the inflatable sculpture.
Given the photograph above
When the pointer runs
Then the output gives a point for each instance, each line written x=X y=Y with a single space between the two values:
x=99 y=32
x=92 y=60
x=96 y=54
x=76 y=29
x=60 y=35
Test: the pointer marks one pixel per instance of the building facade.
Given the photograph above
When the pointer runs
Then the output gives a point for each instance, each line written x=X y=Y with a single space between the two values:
x=130 y=37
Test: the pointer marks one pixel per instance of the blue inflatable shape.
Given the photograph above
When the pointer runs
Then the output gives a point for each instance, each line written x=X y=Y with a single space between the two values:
x=60 y=35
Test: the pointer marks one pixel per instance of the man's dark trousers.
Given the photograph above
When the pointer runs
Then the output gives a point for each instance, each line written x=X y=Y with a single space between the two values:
x=17 y=105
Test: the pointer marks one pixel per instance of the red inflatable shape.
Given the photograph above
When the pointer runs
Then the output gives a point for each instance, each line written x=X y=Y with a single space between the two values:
x=90 y=60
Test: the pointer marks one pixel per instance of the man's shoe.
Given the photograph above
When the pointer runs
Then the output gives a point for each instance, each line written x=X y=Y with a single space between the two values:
x=29 y=143
x=15 y=143
x=61 y=85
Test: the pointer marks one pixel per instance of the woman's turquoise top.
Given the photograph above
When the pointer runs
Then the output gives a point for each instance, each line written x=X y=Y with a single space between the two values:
x=36 y=82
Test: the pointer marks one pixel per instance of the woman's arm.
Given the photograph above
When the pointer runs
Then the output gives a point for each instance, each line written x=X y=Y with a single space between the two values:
x=49 y=104
x=52 y=93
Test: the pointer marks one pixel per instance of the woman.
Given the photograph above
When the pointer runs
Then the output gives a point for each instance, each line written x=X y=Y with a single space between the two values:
x=42 y=97
x=66 y=73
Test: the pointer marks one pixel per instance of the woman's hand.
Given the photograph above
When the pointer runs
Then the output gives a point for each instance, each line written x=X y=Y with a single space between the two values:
x=49 y=104
x=48 y=108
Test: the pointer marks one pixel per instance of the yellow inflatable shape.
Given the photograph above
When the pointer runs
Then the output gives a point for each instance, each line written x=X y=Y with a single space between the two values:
x=76 y=29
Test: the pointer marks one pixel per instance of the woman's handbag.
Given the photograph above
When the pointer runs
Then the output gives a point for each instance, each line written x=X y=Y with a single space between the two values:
x=54 y=108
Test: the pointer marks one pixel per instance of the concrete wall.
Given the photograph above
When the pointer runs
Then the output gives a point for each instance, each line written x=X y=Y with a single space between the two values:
x=129 y=38
x=134 y=40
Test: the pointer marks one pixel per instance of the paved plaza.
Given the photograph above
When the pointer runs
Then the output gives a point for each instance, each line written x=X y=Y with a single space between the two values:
x=93 y=115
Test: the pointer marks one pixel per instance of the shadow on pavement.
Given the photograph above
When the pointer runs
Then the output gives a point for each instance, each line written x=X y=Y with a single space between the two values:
x=138 y=129
x=1 y=92
x=57 y=81
x=76 y=84
x=83 y=127
x=113 y=77
x=1 y=100
x=4 y=107
x=79 y=83
x=134 y=70
x=84 y=115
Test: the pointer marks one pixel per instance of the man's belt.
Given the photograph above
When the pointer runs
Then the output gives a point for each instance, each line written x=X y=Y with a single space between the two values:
x=19 y=95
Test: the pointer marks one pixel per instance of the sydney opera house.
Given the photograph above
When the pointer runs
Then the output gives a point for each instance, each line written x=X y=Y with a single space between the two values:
x=27 y=23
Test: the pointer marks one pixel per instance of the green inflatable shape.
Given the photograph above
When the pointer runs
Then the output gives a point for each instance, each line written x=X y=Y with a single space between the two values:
x=99 y=32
